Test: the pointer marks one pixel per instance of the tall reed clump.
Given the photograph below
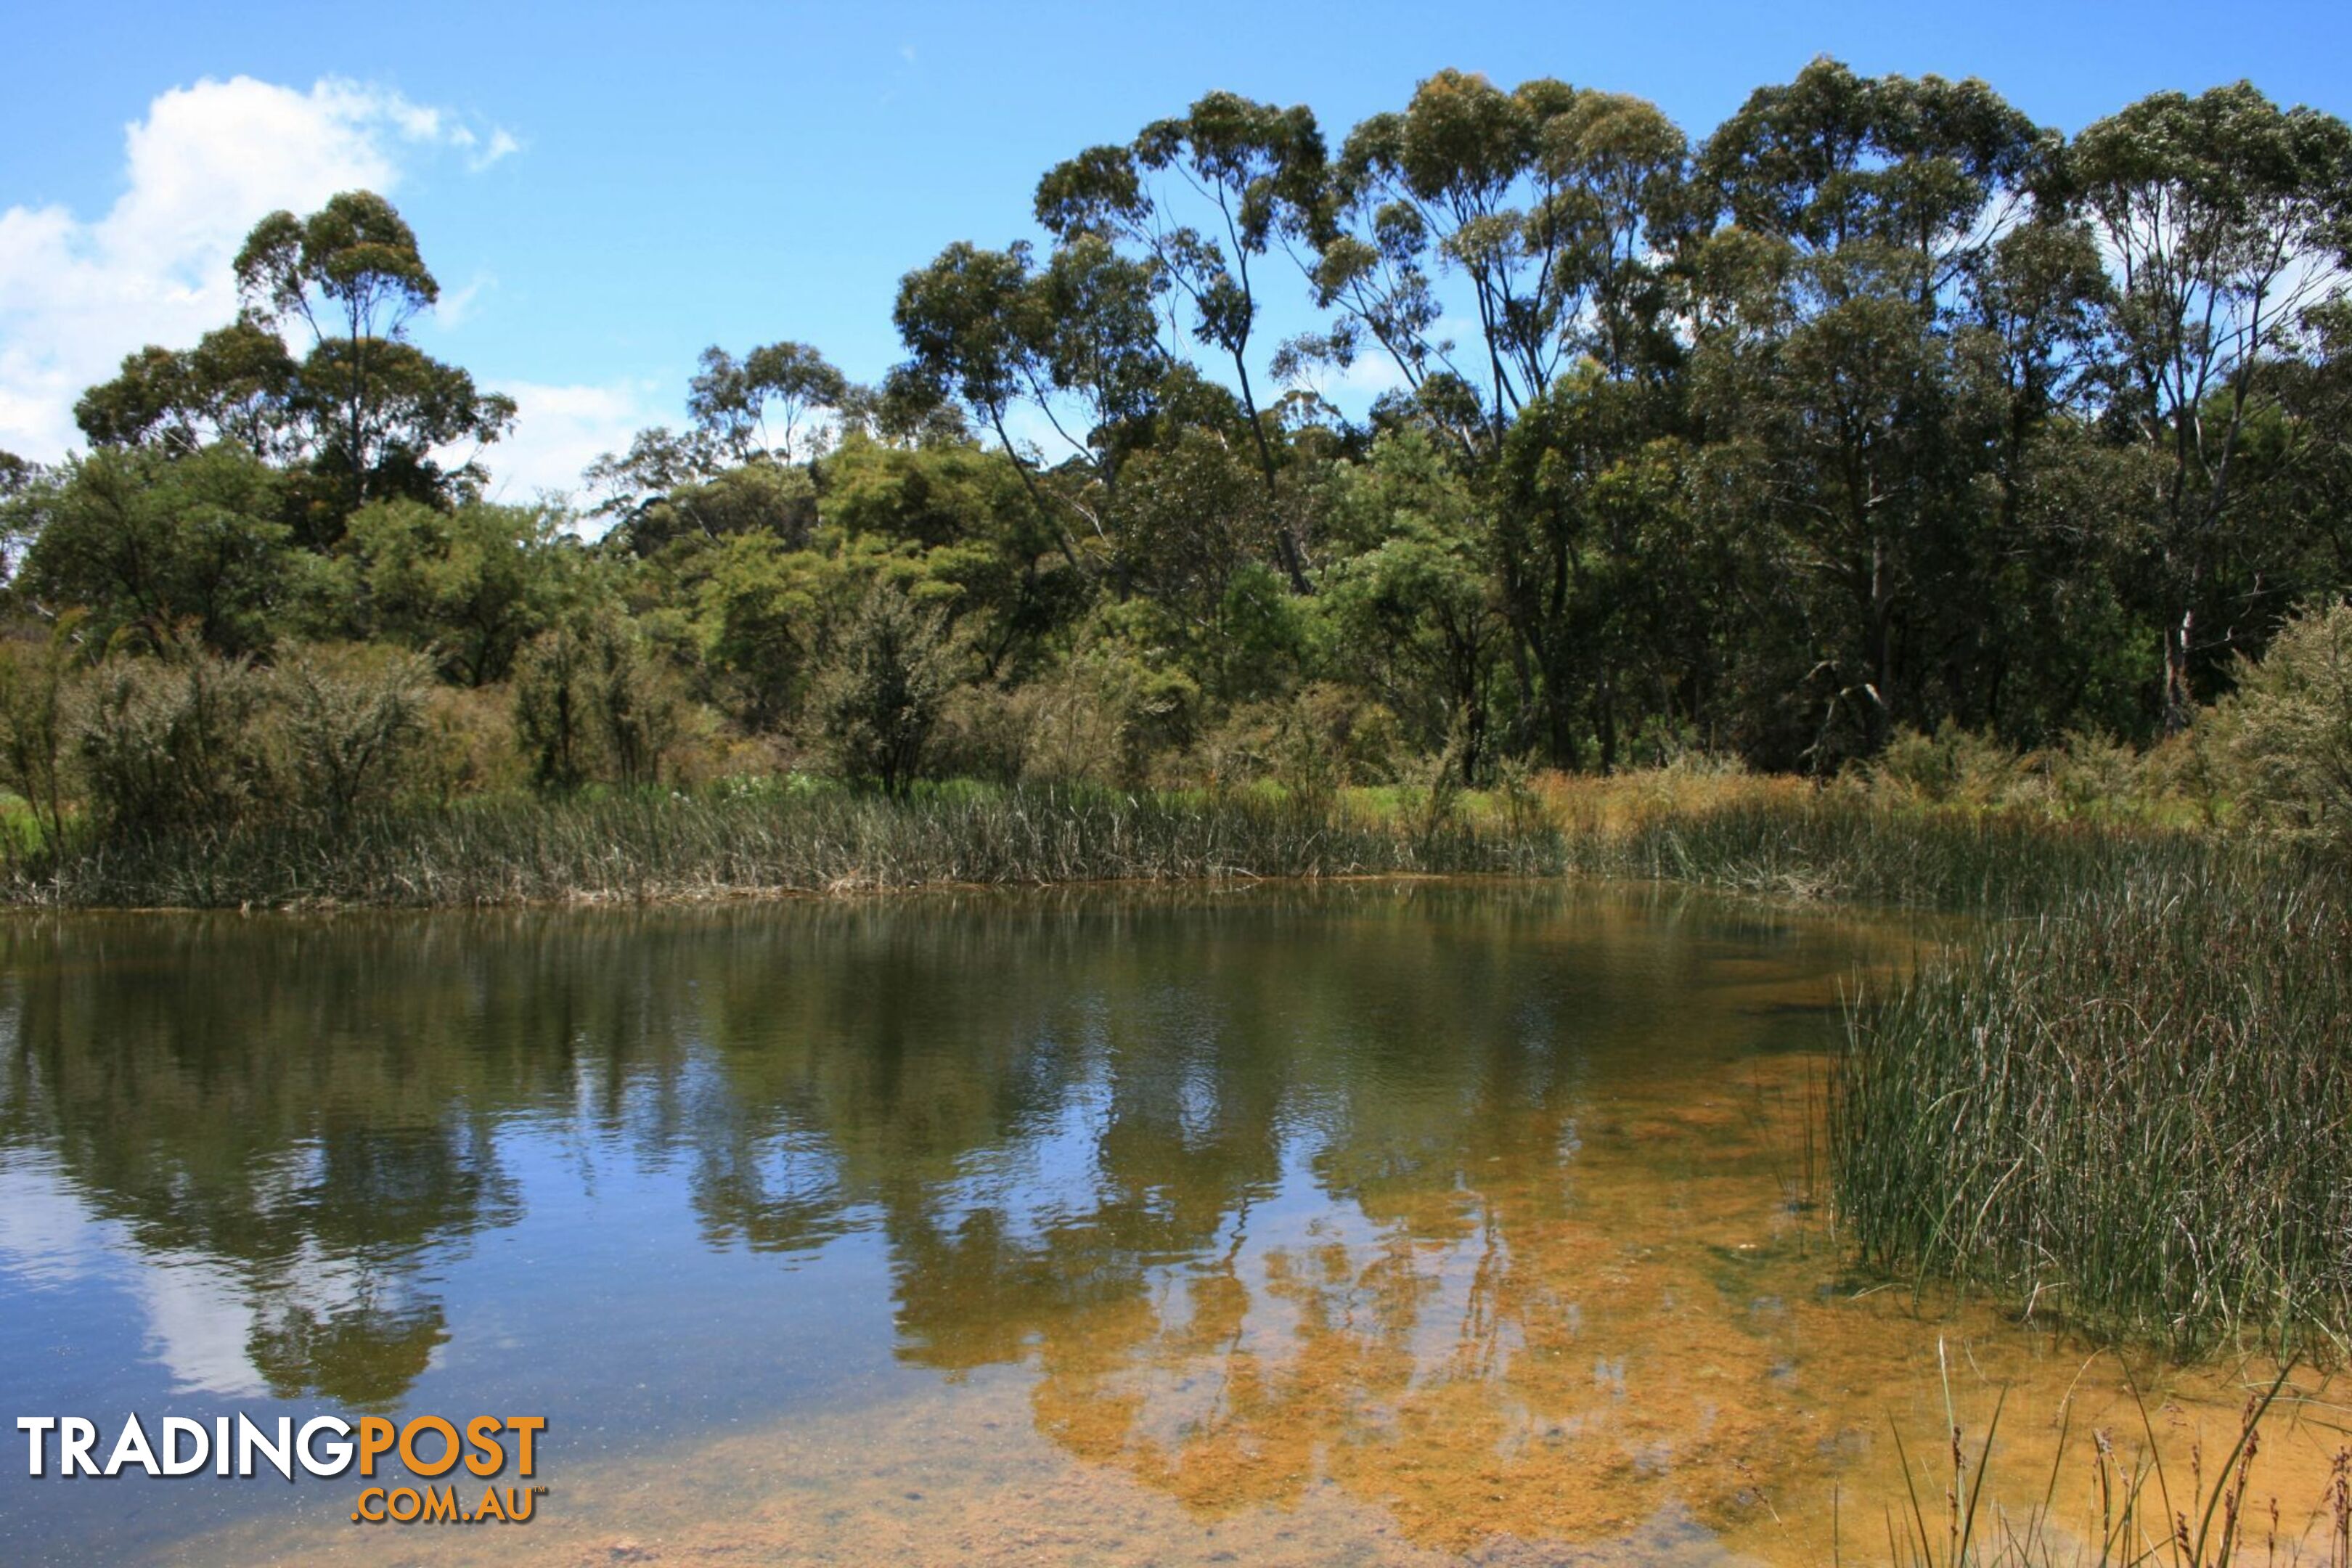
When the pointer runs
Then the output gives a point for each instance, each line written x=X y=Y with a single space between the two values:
x=2133 y=1111
x=1808 y=844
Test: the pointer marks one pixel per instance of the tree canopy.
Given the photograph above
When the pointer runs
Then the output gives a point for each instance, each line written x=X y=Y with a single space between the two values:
x=1878 y=408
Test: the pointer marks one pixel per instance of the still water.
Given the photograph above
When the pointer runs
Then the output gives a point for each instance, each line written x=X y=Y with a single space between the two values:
x=1381 y=1222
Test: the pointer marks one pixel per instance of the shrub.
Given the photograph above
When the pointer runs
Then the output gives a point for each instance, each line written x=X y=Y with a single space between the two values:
x=552 y=721
x=879 y=702
x=633 y=701
x=469 y=743
x=33 y=718
x=594 y=702
x=351 y=720
x=2291 y=724
x=2093 y=773
x=178 y=743
x=1952 y=767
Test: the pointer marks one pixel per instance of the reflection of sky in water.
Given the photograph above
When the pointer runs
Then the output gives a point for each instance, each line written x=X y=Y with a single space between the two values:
x=1465 y=1208
x=199 y=1318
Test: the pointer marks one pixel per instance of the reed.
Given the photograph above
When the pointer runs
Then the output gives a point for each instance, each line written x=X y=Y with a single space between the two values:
x=2131 y=1112
x=2144 y=1507
x=649 y=845
x=1775 y=837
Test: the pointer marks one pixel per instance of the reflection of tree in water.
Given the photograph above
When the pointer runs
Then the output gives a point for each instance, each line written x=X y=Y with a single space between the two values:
x=312 y=1107
x=1078 y=1155
x=1267 y=1188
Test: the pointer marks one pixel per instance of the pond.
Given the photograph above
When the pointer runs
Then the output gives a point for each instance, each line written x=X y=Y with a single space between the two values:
x=1373 y=1222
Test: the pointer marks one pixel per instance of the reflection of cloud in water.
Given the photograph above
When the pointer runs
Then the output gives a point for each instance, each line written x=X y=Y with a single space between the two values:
x=197 y=1316
x=199 y=1324
x=47 y=1234
x=201 y=1314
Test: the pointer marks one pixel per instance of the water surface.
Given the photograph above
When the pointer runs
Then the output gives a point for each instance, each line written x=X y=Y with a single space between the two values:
x=1376 y=1222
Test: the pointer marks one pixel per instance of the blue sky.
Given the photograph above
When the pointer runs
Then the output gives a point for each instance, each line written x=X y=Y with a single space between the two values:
x=604 y=190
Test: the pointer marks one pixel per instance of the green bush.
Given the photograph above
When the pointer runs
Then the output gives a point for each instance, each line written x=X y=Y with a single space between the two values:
x=35 y=695
x=879 y=702
x=1952 y=767
x=179 y=743
x=594 y=702
x=352 y=721
x=2291 y=730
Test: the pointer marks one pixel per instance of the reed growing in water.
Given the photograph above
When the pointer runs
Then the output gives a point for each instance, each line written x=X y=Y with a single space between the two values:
x=2131 y=1112
x=660 y=845
x=2143 y=1509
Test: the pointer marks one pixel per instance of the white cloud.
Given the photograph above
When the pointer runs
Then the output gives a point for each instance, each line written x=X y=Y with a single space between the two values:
x=560 y=430
x=77 y=294
x=455 y=305
x=501 y=144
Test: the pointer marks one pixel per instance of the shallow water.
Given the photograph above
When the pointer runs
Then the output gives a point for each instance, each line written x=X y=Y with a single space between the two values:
x=1382 y=1223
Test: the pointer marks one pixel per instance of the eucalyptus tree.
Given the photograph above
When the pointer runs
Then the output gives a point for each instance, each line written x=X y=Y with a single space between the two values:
x=1857 y=219
x=374 y=406
x=2228 y=224
x=1073 y=343
x=1547 y=200
x=1246 y=175
x=756 y=406
x=317 y=371
x=234 y=385
x=969 y=322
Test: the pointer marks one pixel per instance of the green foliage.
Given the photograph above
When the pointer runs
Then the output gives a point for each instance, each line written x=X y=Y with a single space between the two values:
x=758 y=405
x=592 y=702
x=162 y=553
x=469 y=586
x=2291 y=724
x=755 y=498
x=1413 y=613
x=762 y=609
x=350 y=719
x=1880 y=435
x=35 y=698
x=1952 y=767
x=632 y=702
x=553 y=722
x=361 y=412
x=177 y=745
x=879 y=702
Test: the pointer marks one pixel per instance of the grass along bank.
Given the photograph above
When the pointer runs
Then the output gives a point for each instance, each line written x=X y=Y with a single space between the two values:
x=1764 y=835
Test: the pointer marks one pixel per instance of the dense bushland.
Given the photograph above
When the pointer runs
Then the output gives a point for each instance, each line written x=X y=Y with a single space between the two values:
x=1876 y=427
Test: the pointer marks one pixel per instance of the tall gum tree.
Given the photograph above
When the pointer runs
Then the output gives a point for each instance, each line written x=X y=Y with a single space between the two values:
x=1247 y=170
x=1549 y=206
x=1856 y=219
x=2227 y=224
x=317 y=371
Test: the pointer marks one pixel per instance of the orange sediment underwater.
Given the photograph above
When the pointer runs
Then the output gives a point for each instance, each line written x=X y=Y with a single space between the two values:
x=1622 y=1334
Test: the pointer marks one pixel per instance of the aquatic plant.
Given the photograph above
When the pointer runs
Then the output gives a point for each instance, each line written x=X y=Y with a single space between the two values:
x=2140 y=1509
x=2131 y=1112
x=1781 y=839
